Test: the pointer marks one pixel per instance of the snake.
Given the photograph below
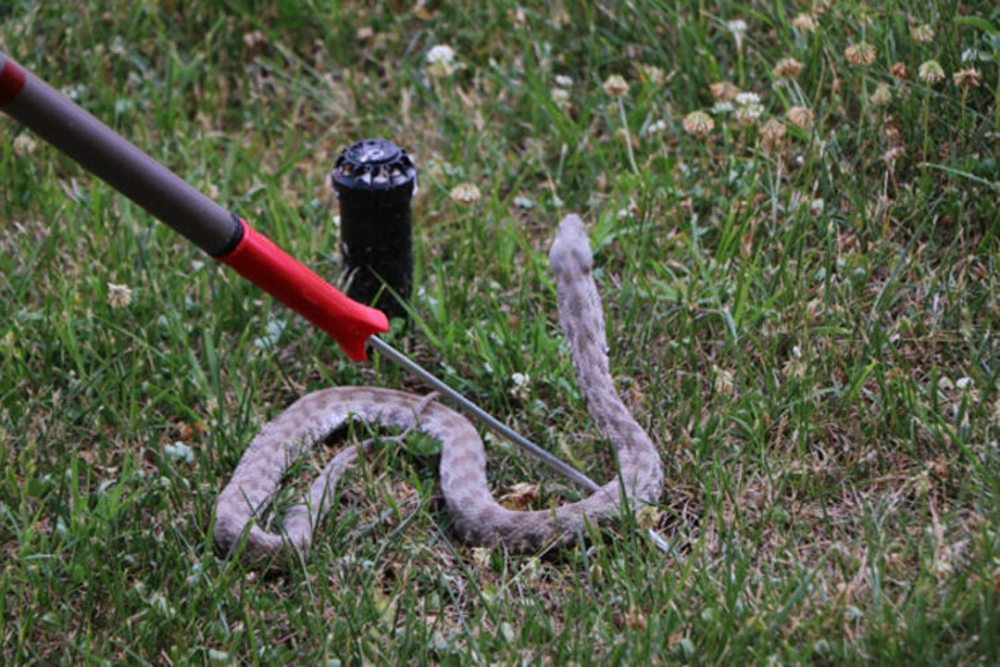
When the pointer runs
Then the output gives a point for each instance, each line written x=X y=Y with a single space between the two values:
x=476 y=517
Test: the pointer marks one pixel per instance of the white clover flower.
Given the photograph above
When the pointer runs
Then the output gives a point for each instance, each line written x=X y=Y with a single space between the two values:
x=723 y=383
x=179 y=451
x=24 y=145
x=748 y=108
x=655 y=127
x=441 y=54
x=441 y=60
x=481 y=557
x=738 y=27
x=519 y=386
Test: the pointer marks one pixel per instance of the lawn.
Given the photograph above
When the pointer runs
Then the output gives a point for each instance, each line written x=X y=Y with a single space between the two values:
x=794 y=214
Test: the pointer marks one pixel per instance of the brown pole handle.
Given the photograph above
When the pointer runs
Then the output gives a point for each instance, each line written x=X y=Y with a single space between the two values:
x=106 y=154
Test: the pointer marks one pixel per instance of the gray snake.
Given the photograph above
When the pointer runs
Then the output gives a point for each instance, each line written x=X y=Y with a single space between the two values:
x=477 y=519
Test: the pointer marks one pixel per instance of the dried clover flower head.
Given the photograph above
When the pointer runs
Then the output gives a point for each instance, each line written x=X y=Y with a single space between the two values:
x=615 y=85
x=465 y=193
x=698 y=124
x=787 y=68
x=967 y=78
x=724 y=91
x=882 y=95
x=805 y=23
x=119 y=296
x=652 y=74
x=861 y=54
x=922 y=34
x=772 y=135
x=801 y=117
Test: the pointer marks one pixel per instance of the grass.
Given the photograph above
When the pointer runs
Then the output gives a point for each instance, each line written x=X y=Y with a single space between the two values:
x=805 y=322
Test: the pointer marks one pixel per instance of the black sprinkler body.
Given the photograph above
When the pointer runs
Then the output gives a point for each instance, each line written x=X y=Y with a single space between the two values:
x=374 y=181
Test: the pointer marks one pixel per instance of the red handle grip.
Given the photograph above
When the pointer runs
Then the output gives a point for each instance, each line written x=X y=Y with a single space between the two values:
x=11 y=81
x=269 y=267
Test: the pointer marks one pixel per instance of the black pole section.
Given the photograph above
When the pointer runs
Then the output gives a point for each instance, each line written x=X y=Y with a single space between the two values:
x=100 y=150
x=374 y=181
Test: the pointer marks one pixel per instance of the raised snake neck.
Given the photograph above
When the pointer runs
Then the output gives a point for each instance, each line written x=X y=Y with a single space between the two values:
x=477 y=518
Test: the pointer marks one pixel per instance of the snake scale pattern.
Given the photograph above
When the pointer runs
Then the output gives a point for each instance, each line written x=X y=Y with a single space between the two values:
x=477 y=518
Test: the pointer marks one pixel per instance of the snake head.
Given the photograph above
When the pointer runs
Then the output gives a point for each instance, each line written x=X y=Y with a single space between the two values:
x=571 y=248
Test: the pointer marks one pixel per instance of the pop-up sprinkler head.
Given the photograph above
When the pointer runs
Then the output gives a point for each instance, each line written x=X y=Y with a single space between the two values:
x=374 y=181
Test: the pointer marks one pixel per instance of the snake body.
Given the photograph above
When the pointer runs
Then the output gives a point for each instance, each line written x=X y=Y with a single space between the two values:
x=478 y=519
